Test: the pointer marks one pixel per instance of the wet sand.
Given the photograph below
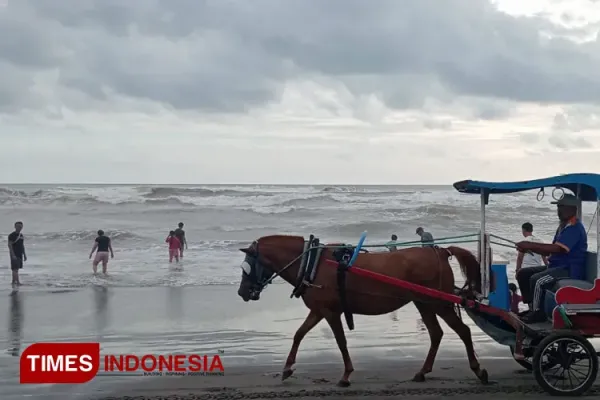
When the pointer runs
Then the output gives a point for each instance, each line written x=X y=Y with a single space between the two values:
x=253 y=338
x=373 y=378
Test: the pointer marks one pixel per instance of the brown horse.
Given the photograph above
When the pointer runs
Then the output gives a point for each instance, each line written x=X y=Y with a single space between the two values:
x=426 y=266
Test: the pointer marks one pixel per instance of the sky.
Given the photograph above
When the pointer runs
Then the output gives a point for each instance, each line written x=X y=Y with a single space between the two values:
x=298 y=91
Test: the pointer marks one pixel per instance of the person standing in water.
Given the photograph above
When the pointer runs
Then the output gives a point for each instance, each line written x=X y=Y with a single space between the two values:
x=391 y=245
x=174 y=246
x=180 y=234
x=16 y=249
x=103 y=245
x=426 y=237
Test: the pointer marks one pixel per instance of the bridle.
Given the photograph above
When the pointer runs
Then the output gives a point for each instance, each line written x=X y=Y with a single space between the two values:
x=254 y=270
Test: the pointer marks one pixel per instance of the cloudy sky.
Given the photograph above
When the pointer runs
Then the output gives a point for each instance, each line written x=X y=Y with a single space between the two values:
x=298 y=91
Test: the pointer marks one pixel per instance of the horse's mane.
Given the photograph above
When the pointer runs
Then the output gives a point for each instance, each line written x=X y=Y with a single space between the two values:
x=270 y=240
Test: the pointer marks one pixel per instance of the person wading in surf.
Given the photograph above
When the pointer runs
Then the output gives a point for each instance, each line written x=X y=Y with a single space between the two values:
x=16 y=249
x=426 y=237
x=391 y=245
x=103 y=245
x=174 y=246
x=180 y=234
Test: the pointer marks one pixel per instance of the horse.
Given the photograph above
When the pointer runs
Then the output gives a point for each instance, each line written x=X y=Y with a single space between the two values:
x=426 y=266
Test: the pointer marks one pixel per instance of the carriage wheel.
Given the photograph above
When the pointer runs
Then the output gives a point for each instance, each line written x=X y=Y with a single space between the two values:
x=527 y=363
x=575 y=364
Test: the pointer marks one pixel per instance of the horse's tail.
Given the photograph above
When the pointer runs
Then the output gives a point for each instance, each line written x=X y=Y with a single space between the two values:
x=469 y=266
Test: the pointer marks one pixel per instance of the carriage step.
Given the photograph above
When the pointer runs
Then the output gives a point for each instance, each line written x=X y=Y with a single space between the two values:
x=573 y=309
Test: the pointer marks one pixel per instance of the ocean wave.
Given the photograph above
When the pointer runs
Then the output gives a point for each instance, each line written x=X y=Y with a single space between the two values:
x=404 y=203
x=82 y=235
x=163 y=192
x=194 y=196
x=352 y=229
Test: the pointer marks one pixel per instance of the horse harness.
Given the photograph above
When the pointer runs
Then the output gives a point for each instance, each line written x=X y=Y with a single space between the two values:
x=260 y=276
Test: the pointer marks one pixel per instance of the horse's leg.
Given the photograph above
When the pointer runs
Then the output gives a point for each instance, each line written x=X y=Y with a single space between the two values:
x=335 y=322
x=310 y=322
x=435 y=336
x=448 y=314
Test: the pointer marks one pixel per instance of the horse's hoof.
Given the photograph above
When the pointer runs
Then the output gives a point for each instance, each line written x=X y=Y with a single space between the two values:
x=483 y=376
x=343 y=383
x=286 y=374
x=419 y=377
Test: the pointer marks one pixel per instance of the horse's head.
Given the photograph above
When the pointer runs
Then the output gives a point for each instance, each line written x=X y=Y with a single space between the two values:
x=265 y=257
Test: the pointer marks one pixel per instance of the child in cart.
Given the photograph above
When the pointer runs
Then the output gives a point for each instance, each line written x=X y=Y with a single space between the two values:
x=515 y=298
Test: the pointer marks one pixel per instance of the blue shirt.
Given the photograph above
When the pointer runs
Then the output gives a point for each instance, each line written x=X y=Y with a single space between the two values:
x=574 y=239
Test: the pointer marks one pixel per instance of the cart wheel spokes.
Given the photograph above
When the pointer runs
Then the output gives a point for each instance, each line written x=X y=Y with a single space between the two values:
x=527 y=363
x=565 y=364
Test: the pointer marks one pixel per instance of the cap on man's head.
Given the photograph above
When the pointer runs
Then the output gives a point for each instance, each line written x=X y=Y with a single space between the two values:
x=394 y=237
x=419 y=229
x=567 y=200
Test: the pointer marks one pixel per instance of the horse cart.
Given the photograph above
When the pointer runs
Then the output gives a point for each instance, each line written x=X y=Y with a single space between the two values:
x=558 y=351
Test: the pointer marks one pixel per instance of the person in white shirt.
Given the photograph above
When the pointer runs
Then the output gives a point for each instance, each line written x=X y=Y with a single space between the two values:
x=525 y=260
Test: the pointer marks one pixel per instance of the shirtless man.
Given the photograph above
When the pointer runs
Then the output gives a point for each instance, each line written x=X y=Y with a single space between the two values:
x=16 y=249
x=180 y=234
x=103 y=245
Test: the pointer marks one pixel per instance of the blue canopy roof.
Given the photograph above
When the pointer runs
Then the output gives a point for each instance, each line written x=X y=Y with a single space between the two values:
x=589 y=185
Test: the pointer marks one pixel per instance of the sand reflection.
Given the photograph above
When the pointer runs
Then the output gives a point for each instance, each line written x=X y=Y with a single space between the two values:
x=15 y=325
x=101 y=296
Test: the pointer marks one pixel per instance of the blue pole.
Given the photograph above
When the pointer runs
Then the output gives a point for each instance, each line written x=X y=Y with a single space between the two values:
x=357 y=249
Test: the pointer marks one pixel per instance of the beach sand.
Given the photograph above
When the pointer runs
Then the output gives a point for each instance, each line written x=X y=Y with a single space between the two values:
x=253 y=338
x=317 y=379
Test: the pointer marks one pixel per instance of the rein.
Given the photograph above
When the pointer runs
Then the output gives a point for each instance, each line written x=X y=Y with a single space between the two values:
x=288 y=265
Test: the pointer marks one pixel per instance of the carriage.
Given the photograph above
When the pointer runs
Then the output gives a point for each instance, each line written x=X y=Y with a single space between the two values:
x=573 y=306
x=558 y=351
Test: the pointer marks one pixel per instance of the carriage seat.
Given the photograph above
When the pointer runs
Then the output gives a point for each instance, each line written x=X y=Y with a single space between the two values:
x=572 y=282
x=591 y=273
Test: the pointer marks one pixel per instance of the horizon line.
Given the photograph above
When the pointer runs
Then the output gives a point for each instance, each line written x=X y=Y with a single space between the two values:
x=228 y=183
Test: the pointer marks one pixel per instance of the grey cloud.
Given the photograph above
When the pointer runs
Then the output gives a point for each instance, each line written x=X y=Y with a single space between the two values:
x=489 y=110
x=558 y=142
x=582 y=143
x=215 y=55
x=529 y=138
x=582 y=117
x=564 y=142
x=561 y=123
x=442 y=124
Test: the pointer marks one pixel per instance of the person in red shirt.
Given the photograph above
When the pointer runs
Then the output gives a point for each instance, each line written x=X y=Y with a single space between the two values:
x=174 y=246
x=515 y=299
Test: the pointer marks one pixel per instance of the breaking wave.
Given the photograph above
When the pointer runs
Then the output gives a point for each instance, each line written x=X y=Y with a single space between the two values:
x=260 y=199
x=85 y=235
